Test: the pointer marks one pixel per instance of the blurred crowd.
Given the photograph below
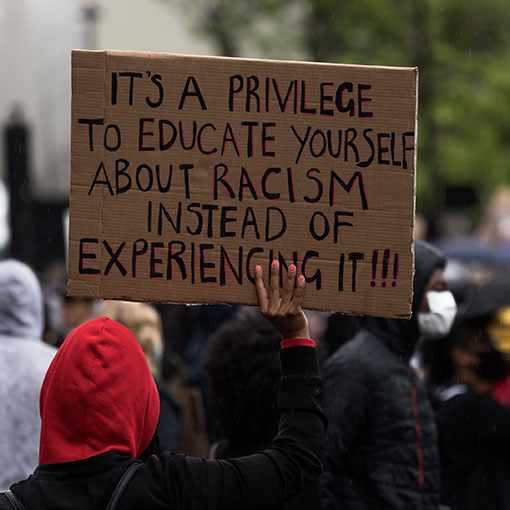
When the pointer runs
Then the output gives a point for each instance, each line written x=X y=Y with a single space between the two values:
x=419 y=410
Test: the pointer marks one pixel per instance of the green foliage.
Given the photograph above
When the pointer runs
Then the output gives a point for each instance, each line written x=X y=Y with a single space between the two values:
x=462 y=49
x=238 y=27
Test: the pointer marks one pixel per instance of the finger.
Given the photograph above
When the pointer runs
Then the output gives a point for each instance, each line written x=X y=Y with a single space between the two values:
x=274 y=288
x=261 y=289
x=288 y=287
x=299 y=292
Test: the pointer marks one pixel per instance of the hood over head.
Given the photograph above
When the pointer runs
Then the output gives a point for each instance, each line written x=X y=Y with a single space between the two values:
x=401 y=334
x=98 y=395
x=21 y=303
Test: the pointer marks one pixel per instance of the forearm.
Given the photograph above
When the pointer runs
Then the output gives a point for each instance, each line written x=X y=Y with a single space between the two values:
x=302 y=428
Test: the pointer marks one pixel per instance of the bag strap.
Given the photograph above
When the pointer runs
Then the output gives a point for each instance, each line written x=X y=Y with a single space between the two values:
x=117 y=493
x=13 y=500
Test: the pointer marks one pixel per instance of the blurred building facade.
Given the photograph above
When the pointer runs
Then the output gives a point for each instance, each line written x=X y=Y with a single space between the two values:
x=36 y=38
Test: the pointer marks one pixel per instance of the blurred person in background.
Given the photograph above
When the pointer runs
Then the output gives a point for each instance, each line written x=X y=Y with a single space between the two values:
x=381 y=450
x=144 y=321
x=24 y=359
x=179 y=323
x=494 y=230
x=489 y=304
x=499 y=331
x=421 y=228
x=468 y=375
x=242 y=374
x=187 y=330
x=74 y=311
x=204 y=320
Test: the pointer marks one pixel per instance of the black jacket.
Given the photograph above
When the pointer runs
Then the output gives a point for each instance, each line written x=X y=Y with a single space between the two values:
x=179 y=482
x=474 y=439
x=381 y=450
x=307 y=499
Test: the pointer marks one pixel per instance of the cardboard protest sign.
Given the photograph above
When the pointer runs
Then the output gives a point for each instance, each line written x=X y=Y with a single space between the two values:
x=189 y=171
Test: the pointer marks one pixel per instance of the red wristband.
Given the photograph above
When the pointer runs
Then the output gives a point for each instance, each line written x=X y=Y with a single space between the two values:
x=294 y=342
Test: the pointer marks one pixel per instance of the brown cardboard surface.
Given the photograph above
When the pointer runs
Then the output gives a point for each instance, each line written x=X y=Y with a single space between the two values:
x=187 y=171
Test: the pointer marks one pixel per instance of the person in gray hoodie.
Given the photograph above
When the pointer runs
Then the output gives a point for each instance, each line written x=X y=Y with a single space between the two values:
x=24 y=359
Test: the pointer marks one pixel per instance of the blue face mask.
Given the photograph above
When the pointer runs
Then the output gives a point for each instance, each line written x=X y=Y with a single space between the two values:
x=438 y=321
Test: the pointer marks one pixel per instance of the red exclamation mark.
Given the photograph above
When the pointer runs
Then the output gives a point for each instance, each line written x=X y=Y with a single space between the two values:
x=375 y=254
x=385 y=264
x=396 y=268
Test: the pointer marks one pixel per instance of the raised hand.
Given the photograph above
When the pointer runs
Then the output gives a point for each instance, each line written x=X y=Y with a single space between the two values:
x=282 y=307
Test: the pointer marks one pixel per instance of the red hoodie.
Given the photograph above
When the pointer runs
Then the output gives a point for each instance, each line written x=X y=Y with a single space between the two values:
x=98 y=395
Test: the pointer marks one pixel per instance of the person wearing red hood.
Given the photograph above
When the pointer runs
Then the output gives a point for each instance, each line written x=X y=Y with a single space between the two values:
x=99 y=410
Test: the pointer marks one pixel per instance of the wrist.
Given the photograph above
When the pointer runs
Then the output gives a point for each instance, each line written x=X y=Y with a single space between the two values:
x=297 y=342
x=299 y=360
x=302 y=333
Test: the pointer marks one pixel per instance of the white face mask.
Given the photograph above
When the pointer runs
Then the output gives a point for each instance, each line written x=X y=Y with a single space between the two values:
x=438 y=321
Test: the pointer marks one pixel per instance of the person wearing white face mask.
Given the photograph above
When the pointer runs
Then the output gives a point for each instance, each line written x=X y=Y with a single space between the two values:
x=381 y=451
x=437 y=321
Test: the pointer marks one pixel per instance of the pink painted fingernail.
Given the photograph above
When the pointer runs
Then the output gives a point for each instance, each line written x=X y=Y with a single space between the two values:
x=275 y=263
x=292 y=267
x=257 y=268
x=301 y=277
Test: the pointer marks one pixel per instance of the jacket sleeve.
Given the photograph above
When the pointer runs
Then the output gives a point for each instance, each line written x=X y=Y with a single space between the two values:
x=347 y=405
x=293 y=459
